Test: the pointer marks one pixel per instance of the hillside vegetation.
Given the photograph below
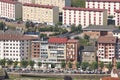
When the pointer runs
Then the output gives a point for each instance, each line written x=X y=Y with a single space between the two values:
x=78 y=3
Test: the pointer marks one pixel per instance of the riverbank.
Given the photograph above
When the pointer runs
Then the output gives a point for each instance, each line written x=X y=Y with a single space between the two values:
x=33 y=76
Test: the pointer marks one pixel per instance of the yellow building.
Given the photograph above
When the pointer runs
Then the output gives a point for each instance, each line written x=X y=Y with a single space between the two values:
x=59 y=3
x=40 y=13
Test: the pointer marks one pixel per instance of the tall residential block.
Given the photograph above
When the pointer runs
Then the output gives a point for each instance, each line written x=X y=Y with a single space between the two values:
x=10 y=9
x=110 y=5
x=84 y=16
x=40 y=13
x=15 y=47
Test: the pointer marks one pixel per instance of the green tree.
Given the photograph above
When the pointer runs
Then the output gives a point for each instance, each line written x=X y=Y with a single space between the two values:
x=31 y=63
x=118 y=65
x=9 y=62
x=43 y=35
x=63 y=64
x=24 y=63
x=2 y=25
x=94 y=65
x=39 y=64
x=109 y=66
x=78 y=65
x=79 y=28
x=101 y=64
x=27 y=24
x=78 y=3
x=2 y=62
x=84 y=65
x=15 y=63
x=86 y=37
x=53 y=65
x=70 y=65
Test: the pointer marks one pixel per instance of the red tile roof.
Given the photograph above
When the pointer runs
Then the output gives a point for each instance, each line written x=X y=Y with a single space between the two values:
x=57 y=40
x=16 y=37
x=83 y=9
x=110 y=78
x=72 y=41
x=107 y=39
x=103 y=0
x=38 y=5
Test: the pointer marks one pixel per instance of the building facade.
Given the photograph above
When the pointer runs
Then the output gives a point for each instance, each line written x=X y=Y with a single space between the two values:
x=10 y=9
x=107 y=48
x=84 y=16
x=72 y=52
x=40 y=13
x=88 y=54
x=110 y=5
x=117 y=17
x=35 y=50
x=57 y=50
x=58 y=3
x=15 y=47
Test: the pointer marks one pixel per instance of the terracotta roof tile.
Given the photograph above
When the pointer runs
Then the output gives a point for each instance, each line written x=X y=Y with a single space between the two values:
x=57 y=40
x=84 y=9
x=110 y=78
x=107 y=39
x=16 y=37
x=38 y=5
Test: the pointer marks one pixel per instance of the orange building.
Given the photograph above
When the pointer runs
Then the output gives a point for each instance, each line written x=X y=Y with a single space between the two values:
x=72 y=51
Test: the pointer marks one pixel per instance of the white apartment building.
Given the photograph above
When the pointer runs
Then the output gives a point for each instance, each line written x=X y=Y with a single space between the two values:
x=40 y=13
x=58 y=3
x=10 y=9
x=15 y=47
x=110 y=5
x=117 y=17
x=84 y=16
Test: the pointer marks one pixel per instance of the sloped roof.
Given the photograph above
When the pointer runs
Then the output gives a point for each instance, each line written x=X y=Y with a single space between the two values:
x=57 y=40
x=88 y=49
x=107 y=39
x=100 y=28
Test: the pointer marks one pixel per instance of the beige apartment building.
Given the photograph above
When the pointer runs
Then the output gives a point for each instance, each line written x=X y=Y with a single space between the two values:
x=40 y=13
x=59 y=3
x=10 y=9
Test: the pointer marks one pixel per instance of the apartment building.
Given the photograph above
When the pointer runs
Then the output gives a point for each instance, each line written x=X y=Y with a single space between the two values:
x=107 y=48
x=15 y=47
x=44 y=51
x=35 y=50
x=57 y=50
x=84 y=16
x=40 y=13
x=72 y=52
x=10 y=9
x=58 y=3
x=116 y=33
x=110 y=5
x=117 y=17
